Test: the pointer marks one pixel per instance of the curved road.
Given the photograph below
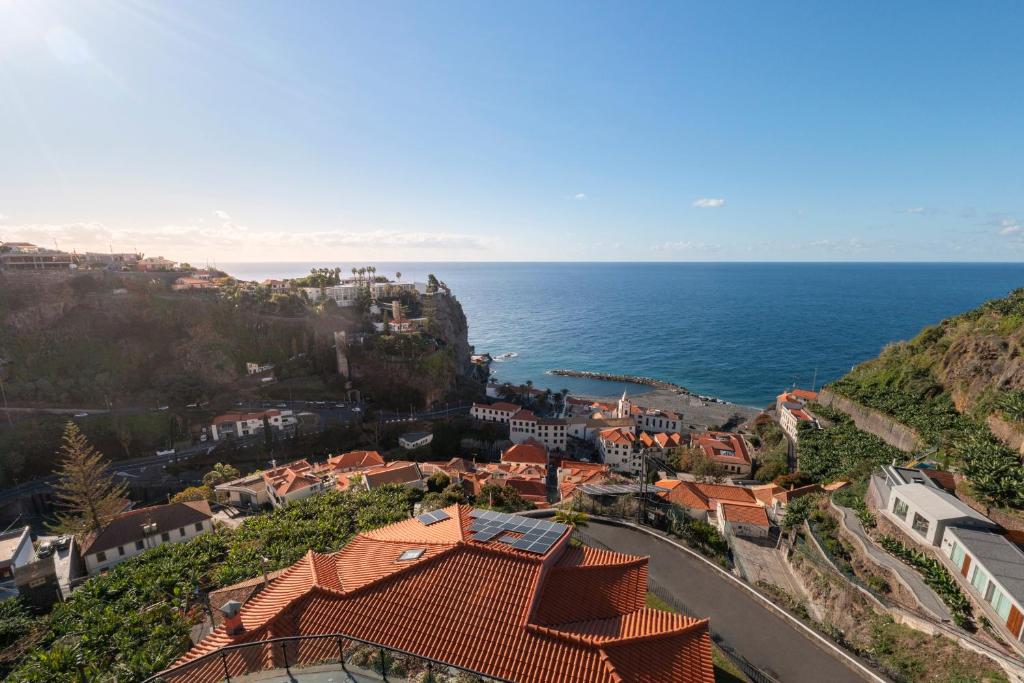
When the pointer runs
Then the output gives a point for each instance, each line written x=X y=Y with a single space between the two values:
x=766 y=639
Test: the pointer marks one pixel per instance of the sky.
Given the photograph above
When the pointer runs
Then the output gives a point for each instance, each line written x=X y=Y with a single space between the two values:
x=526 y=131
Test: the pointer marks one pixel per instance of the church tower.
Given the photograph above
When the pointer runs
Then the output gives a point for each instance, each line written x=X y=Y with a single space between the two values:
x=625 y=406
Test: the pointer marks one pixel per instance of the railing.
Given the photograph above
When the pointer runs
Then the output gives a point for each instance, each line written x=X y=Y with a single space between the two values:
x=315 y=654
x=752 y=672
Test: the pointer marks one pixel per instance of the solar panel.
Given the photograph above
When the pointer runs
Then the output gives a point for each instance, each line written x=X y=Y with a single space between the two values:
x=429 y=518
x=487 y=535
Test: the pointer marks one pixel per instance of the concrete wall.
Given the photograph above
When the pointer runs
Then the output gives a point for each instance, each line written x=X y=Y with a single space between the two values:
x=884 y=427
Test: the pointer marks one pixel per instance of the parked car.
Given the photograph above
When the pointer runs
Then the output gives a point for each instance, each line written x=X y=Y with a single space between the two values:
x=81 y=414
x=63 y=542
x=169 y=451
x=46 y=549
x=357 y=409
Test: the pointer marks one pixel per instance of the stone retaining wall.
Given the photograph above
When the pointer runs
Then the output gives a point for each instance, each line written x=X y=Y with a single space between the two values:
x=872 y=421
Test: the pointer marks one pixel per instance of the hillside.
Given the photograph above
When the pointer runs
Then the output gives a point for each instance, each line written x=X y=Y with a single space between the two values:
x=959 y=385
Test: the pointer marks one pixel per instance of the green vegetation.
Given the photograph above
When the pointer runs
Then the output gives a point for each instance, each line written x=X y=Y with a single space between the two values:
x=841 y=450
x=773 y=451
x=937 y=578
x=911 y=656
x=87 y=496
x=913 y=383
x=133 y=621
x=853 y=498
x=502 y=499
x=699 y=534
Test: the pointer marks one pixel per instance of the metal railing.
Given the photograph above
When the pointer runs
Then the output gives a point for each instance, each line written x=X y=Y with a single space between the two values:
x=315 y=654
x=755 y=674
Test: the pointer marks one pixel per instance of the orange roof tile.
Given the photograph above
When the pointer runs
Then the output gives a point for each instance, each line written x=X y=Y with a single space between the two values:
x=353 y=460
x=745 y=514
x=617 y=435
x=530 y=452
x=701 y=496
x=573 y=615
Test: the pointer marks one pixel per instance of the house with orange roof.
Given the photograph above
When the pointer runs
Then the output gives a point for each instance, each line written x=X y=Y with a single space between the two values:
x=550 y=431
x=791 y=407
x=353 y=460
x=294 y=481
x=529 y=452
x=742 y=519
x=399 y=473
x=699 y=500
x=729 y=450
x=618 y=450
x=572 y=474
x=527 y=607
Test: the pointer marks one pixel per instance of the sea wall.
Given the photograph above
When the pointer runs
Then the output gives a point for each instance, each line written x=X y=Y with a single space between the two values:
x=631 y=379
x=872 y=421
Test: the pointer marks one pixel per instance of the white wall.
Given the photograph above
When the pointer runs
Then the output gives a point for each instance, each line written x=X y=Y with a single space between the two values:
x=93 y=564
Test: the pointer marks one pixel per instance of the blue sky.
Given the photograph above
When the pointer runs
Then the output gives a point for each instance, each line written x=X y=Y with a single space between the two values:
x=247 y=131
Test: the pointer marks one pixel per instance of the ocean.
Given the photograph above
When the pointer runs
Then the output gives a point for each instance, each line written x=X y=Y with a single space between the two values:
x=739 y=331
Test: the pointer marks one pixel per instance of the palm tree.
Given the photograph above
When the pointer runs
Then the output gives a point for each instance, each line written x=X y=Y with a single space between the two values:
x=398 y=275
x=572 y=518
x=354 y=271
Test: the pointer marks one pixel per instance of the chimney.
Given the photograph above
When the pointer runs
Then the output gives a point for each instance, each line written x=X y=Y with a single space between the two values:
x=232 y=617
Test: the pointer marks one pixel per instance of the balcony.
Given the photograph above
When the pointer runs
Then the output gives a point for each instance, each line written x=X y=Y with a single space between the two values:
x=329 y=658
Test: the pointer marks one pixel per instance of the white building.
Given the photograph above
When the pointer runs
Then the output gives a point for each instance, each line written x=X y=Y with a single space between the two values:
x=992 y=567
x=15 y=551
x=136 y=531
x=925 y=512
x=494 y=412
x=740 y=519
x=257 y=368
x=525 y=426
x=413 y=440
x=248 y=492
x=294 y=481
x=792 y=412
x=616 y=446
x=240 y=424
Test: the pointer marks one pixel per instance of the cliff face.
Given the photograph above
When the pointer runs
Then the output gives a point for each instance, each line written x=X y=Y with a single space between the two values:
x=419 y=370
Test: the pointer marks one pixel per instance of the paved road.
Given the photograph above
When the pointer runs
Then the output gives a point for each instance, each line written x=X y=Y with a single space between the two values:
x=763 y=637
x=925 y=596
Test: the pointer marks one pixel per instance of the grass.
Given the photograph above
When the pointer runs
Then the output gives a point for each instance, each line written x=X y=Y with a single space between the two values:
x=725 y=670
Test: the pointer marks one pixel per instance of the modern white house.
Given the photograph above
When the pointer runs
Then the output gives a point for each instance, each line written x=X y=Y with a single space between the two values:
x=136 y=531
x=992 y=567
x=15 y=551
x=925 y=512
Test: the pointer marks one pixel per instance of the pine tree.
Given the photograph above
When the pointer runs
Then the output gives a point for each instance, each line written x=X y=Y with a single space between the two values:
x=88 y=497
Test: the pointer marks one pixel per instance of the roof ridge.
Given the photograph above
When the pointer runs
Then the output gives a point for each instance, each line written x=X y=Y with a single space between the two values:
x=604 y=642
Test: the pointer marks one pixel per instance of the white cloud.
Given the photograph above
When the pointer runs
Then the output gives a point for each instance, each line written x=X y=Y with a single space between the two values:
x=3 y=217
x=686 y=246
x=222 y=215
x=915 y=210
x=709 y=203
x=1010 y=226
x=191 y=241
x=580 y=196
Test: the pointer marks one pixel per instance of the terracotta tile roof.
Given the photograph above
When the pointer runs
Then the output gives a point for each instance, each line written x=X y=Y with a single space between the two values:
x=701 y=496
x=573 y=615
x=666 y=440
x=524 y=415
x=668 y=483
x=501 y=406
x=530 y=452
x=398 y=472
x=529 y=489
x=805 y=394
x=835 y=485
x=353 y=460
x=745 y=514
x=722 y=447
x=766 y=492
x=617 y=435
x=291 y=477
x=126 y=527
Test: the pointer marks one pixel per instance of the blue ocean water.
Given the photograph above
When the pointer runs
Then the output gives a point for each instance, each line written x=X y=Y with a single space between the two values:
x=738 y=331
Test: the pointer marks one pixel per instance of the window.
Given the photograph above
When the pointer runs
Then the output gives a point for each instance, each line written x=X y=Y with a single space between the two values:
x=899 y=508
x=1002 y=604
x=181 y=532
x=413 y=554
x=920 y=524
x=120 y=550
x=199 y=526
x=101 y=556
x=165 y=537
x=139 y=545
x=957 y=554
x=979 y=580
